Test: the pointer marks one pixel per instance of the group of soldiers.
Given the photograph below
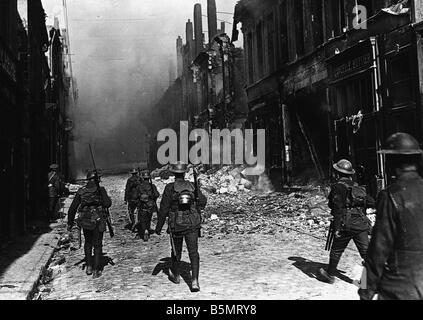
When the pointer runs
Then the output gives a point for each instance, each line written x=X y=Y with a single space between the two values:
x=181 y=205
x=392 y=256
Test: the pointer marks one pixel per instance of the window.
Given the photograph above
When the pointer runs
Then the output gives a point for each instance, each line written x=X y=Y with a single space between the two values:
x=271 y=42
x=250 y=58
x=355 y=95
x=317 y=21
x=260 y=56
x=299 y=27
x=338 y=17
x=283 y=25
x=401 y=92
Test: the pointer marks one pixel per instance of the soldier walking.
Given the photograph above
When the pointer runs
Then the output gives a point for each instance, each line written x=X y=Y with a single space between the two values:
x=184 y=222
x=131 y=196
x=394 y=262
x=90 y=203
x=55 y=189
x=147 y=195
x=348 y=202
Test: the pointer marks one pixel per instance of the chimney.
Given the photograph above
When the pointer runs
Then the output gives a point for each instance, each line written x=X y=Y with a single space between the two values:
x=190 y=40
x=212 y=19
x=179 y=56
x=198 y=29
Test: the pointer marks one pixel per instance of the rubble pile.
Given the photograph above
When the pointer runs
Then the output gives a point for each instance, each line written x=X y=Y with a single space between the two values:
x=267 y=213
x=241 y=204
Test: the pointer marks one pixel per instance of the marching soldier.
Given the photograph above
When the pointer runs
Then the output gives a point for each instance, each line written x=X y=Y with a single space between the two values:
x=131 y=195
x=147 y=195
x=55 y=188
x=178 y=204
x=90 y=202
x=348 y=202
x=394 y=263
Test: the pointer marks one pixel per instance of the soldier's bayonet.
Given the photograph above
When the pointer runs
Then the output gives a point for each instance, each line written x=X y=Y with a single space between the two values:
x=97 y=181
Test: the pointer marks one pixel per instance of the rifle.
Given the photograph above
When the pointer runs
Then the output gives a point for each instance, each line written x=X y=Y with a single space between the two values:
x=79 y=238
x=97 y=182
x=331 y=236
x=196 y=193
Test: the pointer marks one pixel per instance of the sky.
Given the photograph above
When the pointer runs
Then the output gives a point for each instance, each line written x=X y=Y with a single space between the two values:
x=121 y=52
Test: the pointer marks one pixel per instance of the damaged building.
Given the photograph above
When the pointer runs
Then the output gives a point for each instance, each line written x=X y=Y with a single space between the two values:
x=209 y=91
x=33 y=98
x=328 y=83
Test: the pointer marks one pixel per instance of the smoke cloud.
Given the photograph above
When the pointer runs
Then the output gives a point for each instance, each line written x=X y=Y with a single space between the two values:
x=124 y=58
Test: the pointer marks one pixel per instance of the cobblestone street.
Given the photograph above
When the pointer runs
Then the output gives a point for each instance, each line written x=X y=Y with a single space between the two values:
x=233 y=266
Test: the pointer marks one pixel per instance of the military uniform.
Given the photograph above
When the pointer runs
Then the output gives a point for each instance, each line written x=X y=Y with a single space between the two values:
x=184 y=222
x=131 y=195
x=92 y=219
x=394 y=261
x=147 y=205
x=55 y=188
x=350 y=221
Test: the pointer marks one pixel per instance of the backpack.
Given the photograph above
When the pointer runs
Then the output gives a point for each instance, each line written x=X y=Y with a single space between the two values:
x=133 y=189
x=91 y=213
x=90 y=197
x=356 y=200
x=183 y=215
x=146 y=196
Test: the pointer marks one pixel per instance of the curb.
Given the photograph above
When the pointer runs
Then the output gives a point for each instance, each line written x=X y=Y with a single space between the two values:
x=43 y=267
x=20 y=279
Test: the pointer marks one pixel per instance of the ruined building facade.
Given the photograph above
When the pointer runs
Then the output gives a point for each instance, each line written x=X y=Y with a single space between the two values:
x=31 y=99
x=327 y=85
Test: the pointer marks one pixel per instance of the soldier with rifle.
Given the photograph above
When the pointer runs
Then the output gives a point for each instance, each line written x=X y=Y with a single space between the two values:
x=348 y=203
x=91 y=202
x=131 y=195
x=147 y=196
x=181 y=206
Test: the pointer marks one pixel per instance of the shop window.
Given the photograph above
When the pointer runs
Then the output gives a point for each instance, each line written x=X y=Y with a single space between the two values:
x=401 y=92
x=354 y=95
x=404 y=121
x=299 y=27
x=283 y=25
x=271 y=42
x=260 y=55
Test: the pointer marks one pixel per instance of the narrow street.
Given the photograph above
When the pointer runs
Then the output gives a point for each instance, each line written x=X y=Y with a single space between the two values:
x=268 y=263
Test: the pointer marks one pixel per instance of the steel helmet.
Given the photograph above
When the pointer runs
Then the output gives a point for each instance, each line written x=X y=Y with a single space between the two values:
x=91 y=175
x=344 y=166
x=146 y=174
x=179 y=167
x=401 y=143
x=134 y=171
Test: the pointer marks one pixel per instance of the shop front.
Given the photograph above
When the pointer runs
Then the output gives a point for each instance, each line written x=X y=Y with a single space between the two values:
x=355 y=99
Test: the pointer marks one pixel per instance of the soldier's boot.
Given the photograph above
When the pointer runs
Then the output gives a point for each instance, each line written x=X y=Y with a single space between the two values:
x=146 y=235
x=88 y=260
x=174 y=274
x=326 y=277
x=195 y=266
x=97 y=256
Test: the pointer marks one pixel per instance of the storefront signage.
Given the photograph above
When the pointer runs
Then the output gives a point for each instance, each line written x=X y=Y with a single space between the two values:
x=352 y=66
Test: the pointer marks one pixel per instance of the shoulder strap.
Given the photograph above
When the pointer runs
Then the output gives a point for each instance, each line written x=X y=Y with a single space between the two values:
x=394 y=202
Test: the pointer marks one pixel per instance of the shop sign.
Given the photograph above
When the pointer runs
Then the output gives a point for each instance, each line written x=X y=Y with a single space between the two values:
x=352 y=66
